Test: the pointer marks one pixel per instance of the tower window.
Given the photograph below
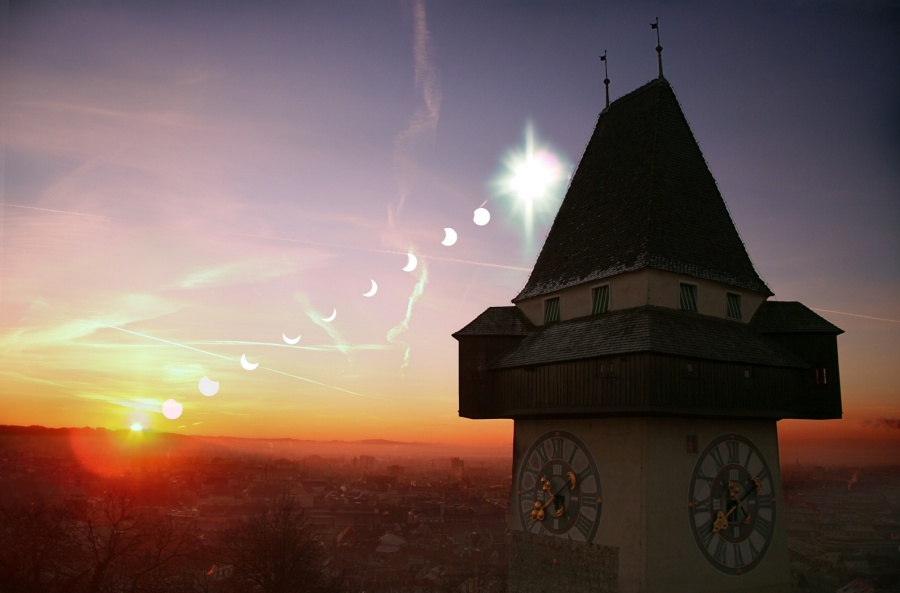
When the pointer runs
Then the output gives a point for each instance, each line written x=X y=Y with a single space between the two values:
x=734 y=305
x=600 y=299
x=551 y=310
x=821 y=376
x=688 y=297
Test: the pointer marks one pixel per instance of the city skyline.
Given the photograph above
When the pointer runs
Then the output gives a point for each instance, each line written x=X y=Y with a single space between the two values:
x=187 y=189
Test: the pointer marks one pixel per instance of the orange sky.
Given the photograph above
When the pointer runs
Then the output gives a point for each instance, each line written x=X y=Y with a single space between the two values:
x=183 y=188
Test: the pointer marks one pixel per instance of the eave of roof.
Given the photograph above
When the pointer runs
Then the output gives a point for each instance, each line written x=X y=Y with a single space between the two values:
x=647 y=329
x=775 y=317
x=497 y=321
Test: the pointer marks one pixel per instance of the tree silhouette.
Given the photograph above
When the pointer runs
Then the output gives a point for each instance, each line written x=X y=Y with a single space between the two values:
x=111 y=546
x=275 y=551
x=36 y=551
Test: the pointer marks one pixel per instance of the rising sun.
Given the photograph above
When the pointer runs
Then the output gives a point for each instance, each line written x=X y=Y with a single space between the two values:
x=137 y=427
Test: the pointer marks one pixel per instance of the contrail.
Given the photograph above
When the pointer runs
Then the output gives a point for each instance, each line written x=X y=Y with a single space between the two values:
x=856 y=315
x=391 y=252
x=56 y=211
x=477 y=263
x=404 y=325
x=128 y=331
x=320 y=244
x=424 y=120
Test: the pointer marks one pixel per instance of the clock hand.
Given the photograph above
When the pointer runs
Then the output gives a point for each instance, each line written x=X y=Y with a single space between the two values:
x=756 y=486
x=721 y=522
x=553 y=495
x=537 y=514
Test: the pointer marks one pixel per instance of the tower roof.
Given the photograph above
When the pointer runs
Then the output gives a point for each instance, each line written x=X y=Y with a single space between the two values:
x=647 y=329
x=642 y=197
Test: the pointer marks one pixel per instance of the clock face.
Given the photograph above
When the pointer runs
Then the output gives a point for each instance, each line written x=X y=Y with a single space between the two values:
x=558 y=488
x=732 y=504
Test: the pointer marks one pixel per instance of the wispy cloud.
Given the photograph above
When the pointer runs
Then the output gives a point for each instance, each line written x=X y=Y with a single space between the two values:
x=423 y=123
x=317 y=318
x=403 y=326
x=883 y=423
x=246 y=271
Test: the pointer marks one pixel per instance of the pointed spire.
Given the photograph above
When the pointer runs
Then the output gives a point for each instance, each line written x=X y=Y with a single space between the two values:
x=605 y=76
x=658 y=45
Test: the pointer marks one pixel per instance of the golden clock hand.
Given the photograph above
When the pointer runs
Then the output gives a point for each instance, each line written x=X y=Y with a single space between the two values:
x=553 y=496
x=721 y=522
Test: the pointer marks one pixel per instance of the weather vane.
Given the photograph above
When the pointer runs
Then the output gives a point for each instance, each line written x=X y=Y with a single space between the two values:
x=655 y=25
x=605 y=75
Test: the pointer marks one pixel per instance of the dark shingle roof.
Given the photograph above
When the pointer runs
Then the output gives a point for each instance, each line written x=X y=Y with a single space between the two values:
x=648 y=329
x=642 y=196
x=497 y=321
x=774 y=317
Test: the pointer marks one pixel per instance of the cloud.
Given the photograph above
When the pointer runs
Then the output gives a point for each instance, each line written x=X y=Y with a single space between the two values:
x=403 y=326
x=883 y=423
x=423 y=123
x=339 y=342
x=247 y=271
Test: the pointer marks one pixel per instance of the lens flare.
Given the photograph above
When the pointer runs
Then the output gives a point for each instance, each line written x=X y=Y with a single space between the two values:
x=531 y=180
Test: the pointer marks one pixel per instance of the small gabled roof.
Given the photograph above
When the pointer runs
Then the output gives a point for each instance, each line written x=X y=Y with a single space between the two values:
x=497 y=321
x=775 y=317
x=642 y=197
x=647 y=329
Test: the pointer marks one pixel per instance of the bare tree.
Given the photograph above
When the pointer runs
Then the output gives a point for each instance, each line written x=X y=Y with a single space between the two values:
x=125 y=549
x=112 y=546
x=275 y=551
x=36 y=551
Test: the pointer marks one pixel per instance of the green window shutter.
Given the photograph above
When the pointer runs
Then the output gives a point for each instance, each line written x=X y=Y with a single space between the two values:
x=551 y=310
x=600 y=300
x=688 y=297
x=734 y=305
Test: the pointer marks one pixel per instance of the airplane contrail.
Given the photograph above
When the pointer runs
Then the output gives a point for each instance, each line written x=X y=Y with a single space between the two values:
x=856 y=315
x=390 y=252
x=128 y=331
x=56 y=211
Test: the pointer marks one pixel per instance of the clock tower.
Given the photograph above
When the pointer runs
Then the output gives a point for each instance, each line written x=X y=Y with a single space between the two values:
x=645 y=369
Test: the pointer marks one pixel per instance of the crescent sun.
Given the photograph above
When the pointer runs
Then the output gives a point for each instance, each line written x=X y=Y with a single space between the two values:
x=288 y=340
x=331 y=317
x=248 y=366
x=449 y=237
x=208 y=387
x=411 y=263
x=372 y=290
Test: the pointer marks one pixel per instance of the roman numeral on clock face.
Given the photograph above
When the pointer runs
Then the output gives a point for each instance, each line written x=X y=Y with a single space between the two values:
x=732 y=510
x=558 y=447
x=583 y=525
x=733 y=452
x=559 y=488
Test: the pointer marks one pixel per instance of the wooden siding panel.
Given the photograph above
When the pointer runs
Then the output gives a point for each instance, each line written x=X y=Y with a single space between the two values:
x=643 y=383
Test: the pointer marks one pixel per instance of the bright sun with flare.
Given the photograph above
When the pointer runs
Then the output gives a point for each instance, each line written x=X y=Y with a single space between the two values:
x=137 y=427
x=532 y=176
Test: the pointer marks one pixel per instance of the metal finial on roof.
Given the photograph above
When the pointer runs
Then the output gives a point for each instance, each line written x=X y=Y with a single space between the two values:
x=658 y=45
x=605 y=75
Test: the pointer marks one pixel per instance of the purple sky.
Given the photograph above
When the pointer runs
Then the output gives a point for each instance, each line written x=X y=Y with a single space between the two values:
x=185 y=184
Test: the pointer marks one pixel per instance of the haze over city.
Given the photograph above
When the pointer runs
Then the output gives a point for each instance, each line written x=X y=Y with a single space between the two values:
x=193 y=190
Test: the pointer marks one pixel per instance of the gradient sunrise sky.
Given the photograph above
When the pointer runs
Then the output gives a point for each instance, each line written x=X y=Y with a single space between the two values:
x=189 y=182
